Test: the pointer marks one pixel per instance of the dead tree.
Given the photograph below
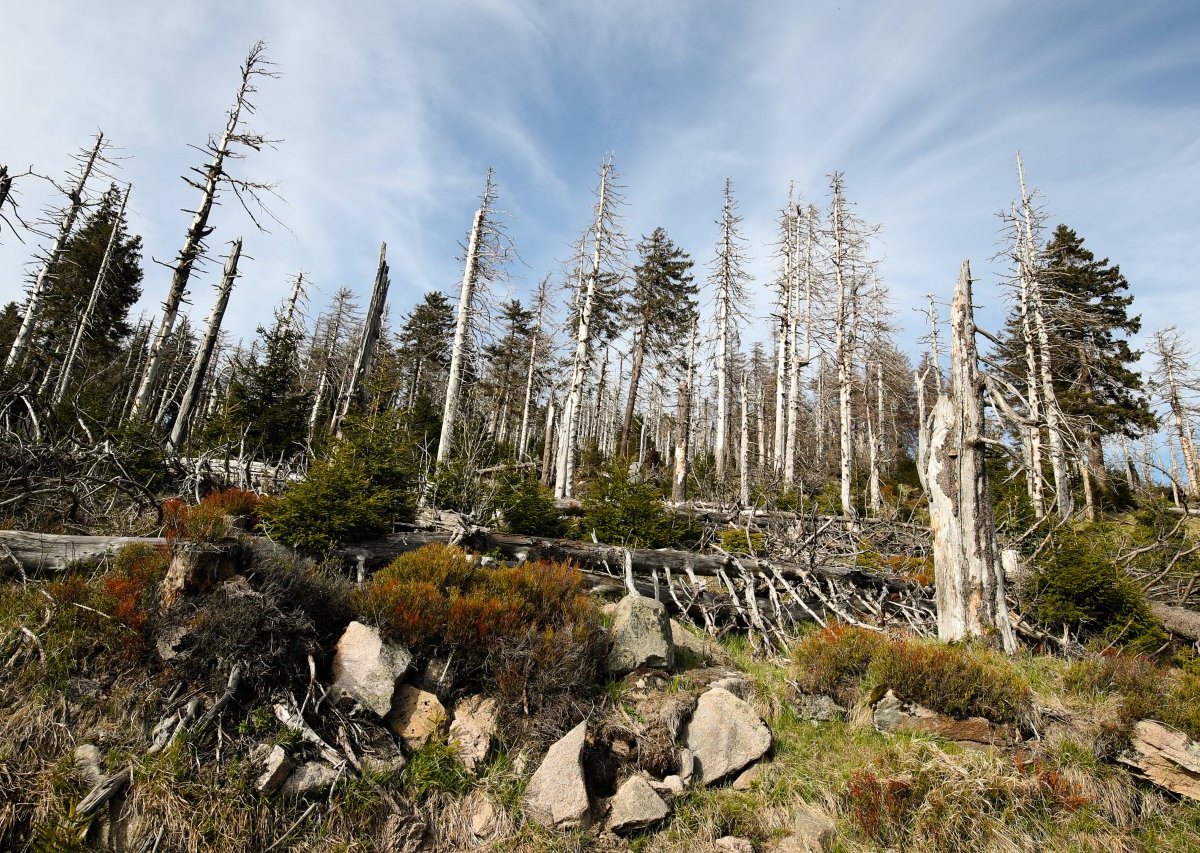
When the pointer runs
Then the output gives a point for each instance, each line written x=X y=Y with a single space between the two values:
x=539 y=311
x=204 y=355
x=33 y=308
x=85 y=319
x=213 y=178
x=485 y=251
x=730 y=280
x=968 y=575
x=683 y=423
x=337 y=318
x=355 y=389
x=1172 y=381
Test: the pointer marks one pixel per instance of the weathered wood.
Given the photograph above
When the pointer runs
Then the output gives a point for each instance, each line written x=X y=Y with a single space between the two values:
x=52 y=552
x=967 y=568
x=1178 y=620
x=1166 y=757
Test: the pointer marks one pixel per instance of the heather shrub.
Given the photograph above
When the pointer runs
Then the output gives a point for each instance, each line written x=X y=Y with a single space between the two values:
x=209 y=520
x=835 y=660
x=1147 y=690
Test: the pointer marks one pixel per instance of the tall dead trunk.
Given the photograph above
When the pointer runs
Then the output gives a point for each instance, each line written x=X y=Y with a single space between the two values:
x=355 y=388
x=85 y=319
x=968 y=573
x=193 y=242
x=540 y=313
x=33 y=308
x=183 y=420
x=844 y=348
x=635 y=379
x=683 y=424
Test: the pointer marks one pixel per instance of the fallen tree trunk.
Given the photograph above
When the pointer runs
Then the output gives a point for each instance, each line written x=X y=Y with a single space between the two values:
x=53 y=552
x=1180 y=621
x=513 y=546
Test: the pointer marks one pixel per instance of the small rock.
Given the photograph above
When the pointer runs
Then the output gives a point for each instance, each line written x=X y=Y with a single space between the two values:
x=472 y=730
x=89 y=764
x=811 y=831
x=609 y=609
x=738 y=685
x=746 y=779
x=687 y=765
x=821 y=708
x=670 y=787
x=416 y=716
x=482 y=820
x=732 y=844
x=311 y=779
x=367 y=669
x=725 y=735
x=169 y=641
x=383 y=765
x=636 y=805
x=276 y=768
x=641 y=636
x=439 y=677
x=556 y=795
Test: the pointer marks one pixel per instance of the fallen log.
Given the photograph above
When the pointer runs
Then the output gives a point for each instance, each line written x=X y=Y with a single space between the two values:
x=53 y=552
x=511 y=546
x=1180 y=621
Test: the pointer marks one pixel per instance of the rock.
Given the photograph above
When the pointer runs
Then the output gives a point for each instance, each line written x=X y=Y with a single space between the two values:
x=482 y=816
x=367 y=669
x=821 y=708
x=811 y=831
x=892 y=714
x=636 y=805
x=383 y=765
x=725 y=735
x=89 y=764
x=704 y=650
x=439 y=677
x=641 y=636
x=311 y=779
x=738 y=685
x=732 y=844
x=276 y=768
x=746 y=779
x=556 y=795
x=668 y=788
x=416 y=716
x=170 y=641
x=1166 y=757
x=687 y=765
x=402 y=833
x=472 y=730
x=196 y=568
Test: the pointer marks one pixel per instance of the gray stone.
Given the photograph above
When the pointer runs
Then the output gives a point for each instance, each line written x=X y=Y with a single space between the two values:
x=641 y=636
x=472 y=730
x=892 y=714
x=705 y=649
x=383 y=765
x=416 y=716
x=89 y=764
x=276 y=767
x=746 y=779
x=636 y=805
x=738 y=685
x=687 y=765
x=482 y=819
x=557 y=795
x=668 y=788
x=811 y=831
x=725 y=735
x=821 y=708
x=311 y=779
x=732 y=844
x=367 y=669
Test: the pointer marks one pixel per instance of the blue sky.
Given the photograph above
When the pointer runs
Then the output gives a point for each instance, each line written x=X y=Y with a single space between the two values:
x=390 y=113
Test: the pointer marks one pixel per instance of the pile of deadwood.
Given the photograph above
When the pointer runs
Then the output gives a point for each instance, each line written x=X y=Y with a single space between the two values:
x=793 y=568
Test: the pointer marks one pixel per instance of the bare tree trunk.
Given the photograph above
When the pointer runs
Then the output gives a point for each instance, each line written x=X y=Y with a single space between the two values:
x=683 y=425
x=744 y=446
x=844 y=347
x=326 y=366
x=33 y=308
x=635 y=378
x=361 y=371
x=969 y=576
x=564 y=486
x=179 y=432
x=548 y=445
x=193 y=242
x=540 y=311
x=85 y=320
x=466 y=304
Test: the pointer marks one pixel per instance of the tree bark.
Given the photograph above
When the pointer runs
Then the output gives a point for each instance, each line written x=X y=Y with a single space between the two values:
x=968 y=573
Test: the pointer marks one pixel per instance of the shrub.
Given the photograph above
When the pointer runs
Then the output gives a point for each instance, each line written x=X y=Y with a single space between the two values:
x=835 y=660
x=1078 y=585
x=622 y=510
x=366 y=484
x=737 y=541
x=130 y=585
x=528 y=507
x=954 y=680
x=1146 y=689
x=209 y=521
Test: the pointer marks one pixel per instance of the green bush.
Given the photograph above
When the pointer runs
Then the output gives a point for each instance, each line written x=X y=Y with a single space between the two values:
x=528 y=507
x=621 y=510
x=835 y=660
x=366 y=484
x=1147 y=690
x=1078 y=585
